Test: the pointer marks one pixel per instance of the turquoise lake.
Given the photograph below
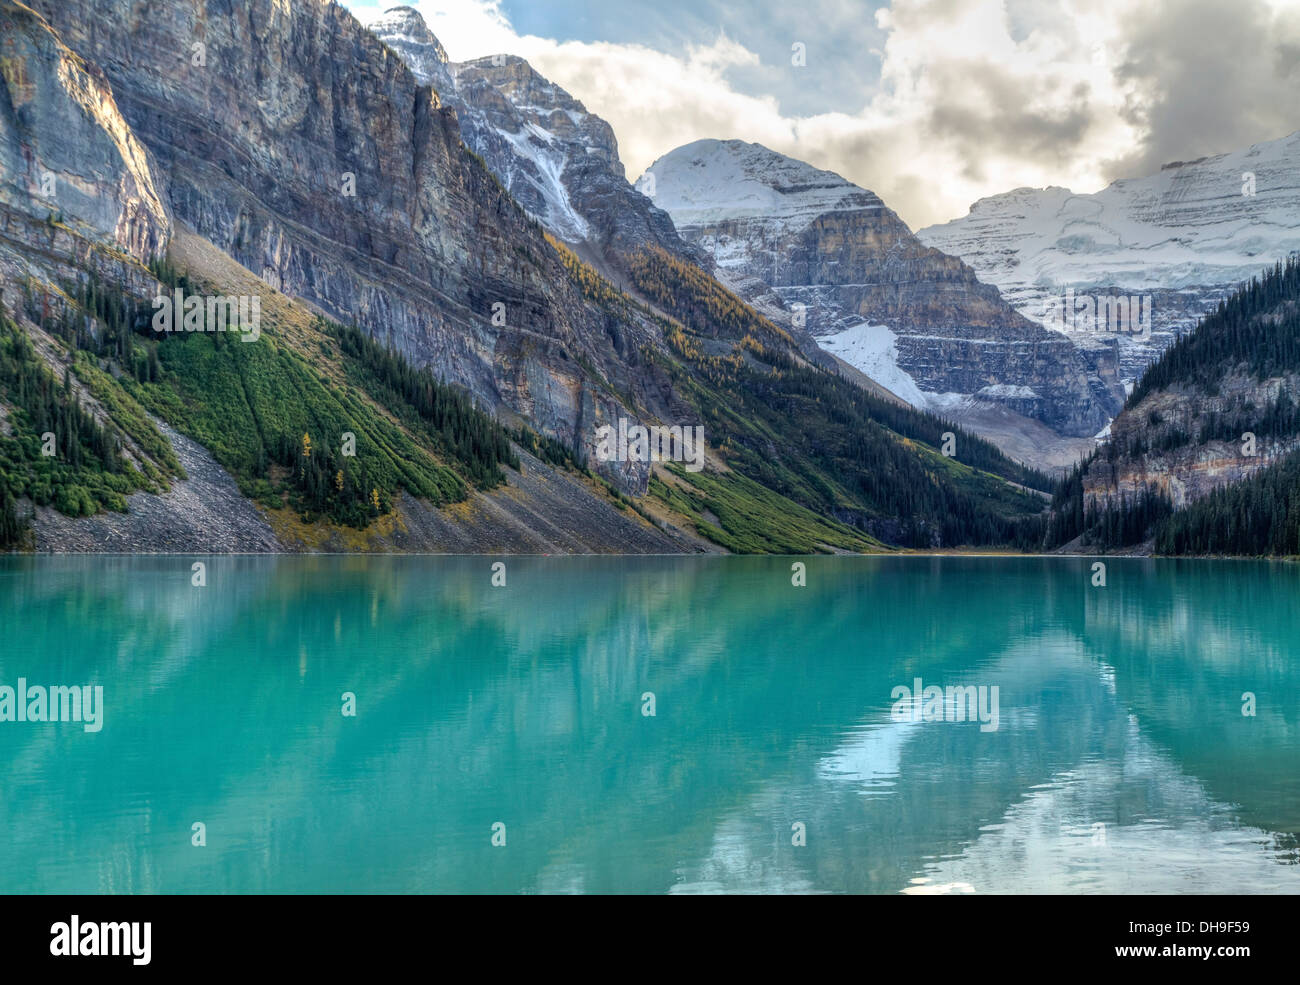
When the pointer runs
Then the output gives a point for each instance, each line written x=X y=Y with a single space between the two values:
x=1121 y=762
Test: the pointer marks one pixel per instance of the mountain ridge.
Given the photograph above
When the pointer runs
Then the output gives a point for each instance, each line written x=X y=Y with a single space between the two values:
x=1215 y=418
x=1187 y=236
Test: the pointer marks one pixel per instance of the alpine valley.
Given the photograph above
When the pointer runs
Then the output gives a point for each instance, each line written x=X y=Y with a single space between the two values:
x=458 y=290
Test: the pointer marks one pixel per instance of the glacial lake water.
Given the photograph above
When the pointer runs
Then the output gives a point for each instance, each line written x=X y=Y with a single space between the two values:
x=1121 y=762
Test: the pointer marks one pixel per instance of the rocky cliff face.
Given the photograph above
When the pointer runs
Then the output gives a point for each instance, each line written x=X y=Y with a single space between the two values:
x=912 y=318
x=301 y=145
x=76 y=186
x=1185 y=238
x=1153 y=454
x=559 y=161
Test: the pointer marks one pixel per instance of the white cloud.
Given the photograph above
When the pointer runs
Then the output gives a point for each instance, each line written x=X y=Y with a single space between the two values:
x=975 y=97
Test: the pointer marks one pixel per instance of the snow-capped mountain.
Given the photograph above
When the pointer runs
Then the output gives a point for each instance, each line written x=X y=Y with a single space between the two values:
x=713 y=181
x=557 y=160
x=914 y=319
x=1184 y=237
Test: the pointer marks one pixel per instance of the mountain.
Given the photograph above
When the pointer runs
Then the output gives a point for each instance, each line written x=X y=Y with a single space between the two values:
x=914 y=319
x=1185 y=237
x=249 y=147
x=559 y=161
x=431 y=368
x=327 y=170
x=1214 y=421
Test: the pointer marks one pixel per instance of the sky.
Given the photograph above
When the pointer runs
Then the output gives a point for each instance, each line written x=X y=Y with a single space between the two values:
x=931 y=104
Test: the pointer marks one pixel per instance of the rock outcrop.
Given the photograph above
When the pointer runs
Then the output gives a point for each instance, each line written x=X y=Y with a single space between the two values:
x=1186 y=470
x=77 y=188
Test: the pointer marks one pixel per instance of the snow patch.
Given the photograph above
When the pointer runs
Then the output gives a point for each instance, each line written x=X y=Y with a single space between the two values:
x=1198 y=229
x=1005 y=391
x=550 y=161
x=873 y=350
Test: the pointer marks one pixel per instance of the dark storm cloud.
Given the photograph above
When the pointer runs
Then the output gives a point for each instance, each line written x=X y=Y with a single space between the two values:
x=1208 y=77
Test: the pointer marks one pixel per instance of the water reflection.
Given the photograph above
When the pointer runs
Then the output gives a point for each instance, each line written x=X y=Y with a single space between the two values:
x=1119 y=707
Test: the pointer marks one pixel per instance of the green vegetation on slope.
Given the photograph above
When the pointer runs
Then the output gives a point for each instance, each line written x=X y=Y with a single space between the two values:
x=1256 y=331
x=280 y=429
x=326 y=450
x=289 y=435
x=1255 y=517
x=822 y=442
x=445 y=413
x=748 y=518
x=86 y=471
x=1124 y=523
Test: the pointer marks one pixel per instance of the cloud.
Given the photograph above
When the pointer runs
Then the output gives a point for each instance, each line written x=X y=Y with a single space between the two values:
x=1209 y=77
x=974 y=97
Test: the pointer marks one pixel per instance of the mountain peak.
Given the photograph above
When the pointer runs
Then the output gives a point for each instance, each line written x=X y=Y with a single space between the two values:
x=526 y=88
x=407 y=24
x=559 y=161
x=709 y=180
x=404 y=31
x=850 y=272
x=501 y=60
